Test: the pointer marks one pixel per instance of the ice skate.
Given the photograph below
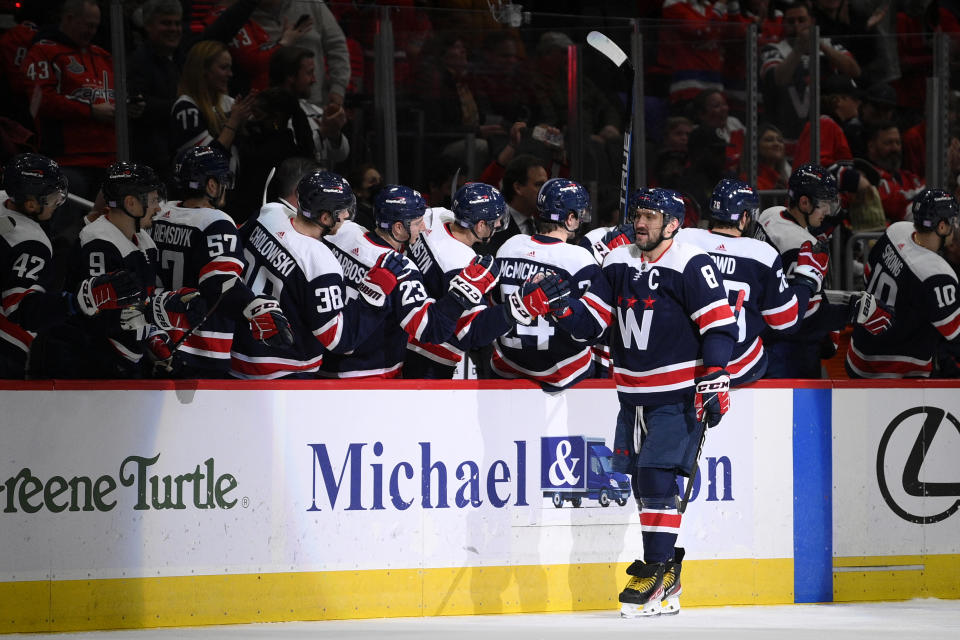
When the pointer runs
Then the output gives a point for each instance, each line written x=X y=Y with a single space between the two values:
x=670 y=605
x=643 y=595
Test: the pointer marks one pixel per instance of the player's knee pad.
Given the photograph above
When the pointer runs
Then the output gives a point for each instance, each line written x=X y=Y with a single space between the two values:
x=655 y=488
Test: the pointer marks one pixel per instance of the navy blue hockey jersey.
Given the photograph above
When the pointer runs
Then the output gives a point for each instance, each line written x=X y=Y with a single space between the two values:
x=753 y=267
x=411 y=312
x=922 y=289
x=554 y=353
x=103 y=249
x=304 y=276
x=440 y=257
x=25 y=269
x=200 y=248
x=669 y=319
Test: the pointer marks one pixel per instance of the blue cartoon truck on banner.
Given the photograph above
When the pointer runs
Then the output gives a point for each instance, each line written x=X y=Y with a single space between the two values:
x=577 y=467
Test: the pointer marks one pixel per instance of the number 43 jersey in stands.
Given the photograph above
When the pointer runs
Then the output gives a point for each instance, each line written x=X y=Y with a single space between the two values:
x=548 y=351
x=304 y=276
x=753 y=267
x=200 y=248
x=922 y=289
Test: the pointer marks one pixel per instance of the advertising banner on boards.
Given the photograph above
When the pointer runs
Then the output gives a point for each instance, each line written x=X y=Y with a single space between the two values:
x=141 y=483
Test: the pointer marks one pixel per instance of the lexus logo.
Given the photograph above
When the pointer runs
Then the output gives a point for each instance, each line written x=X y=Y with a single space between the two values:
x=888 y=464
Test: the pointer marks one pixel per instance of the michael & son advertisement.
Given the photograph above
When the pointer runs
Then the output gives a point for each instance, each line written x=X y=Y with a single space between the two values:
x=142 y=483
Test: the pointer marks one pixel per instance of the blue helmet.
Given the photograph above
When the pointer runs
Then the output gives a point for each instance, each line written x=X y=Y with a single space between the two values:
x=33 y=175
x=196 y=164
x=731 y=198
x=933 y=205
x=669 y=203
x=476 y=201
x=322 y=191
x=130 y=179
x=396 y=203
x=559 y=197
x=816 y=183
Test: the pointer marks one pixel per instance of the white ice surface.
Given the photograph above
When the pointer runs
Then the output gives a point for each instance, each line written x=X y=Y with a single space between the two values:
x=926 y=619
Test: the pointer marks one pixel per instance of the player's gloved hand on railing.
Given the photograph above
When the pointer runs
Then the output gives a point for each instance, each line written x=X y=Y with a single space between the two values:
x=177 y=311
x=382 y=278
x=712 y=396
x=870 y=313
x=536 y=296
x=474 y=281
x=114 y=290
x=267 y=322
x=812 y=263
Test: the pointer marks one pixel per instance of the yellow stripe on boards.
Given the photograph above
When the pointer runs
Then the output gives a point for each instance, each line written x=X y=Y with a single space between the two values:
x=76 y=605
x=880 y=579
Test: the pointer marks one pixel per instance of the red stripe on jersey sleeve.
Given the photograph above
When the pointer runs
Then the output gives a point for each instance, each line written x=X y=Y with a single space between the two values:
x=220 y=266
x=330 y=334
x=784 y=316
x=463 y=324
x=414 y=326
x=720 y=314
x=602 y=310
x=950 y=326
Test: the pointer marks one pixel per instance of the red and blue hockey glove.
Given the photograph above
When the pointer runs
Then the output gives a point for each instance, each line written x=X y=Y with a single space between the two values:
x=712 y=396
x=619 y=236
x=159 y=346
x=382 y=278
x=812 y=263
x=535 y=298
x=114 y=290
x=267 y=322
x=870 y=313
x=474 y=281
x=177 y=311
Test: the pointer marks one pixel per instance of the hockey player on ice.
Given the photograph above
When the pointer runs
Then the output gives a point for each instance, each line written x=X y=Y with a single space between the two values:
x=906 y=272
x=811 y=196
x=288 y=256
x=34 y=187
x=199 y=247
x=672 y=335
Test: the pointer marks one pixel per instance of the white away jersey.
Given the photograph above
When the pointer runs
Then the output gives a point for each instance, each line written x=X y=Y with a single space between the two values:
x=922 y=289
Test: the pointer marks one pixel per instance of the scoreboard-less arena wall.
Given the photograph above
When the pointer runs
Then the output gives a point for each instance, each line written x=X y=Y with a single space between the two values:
x=167 y=504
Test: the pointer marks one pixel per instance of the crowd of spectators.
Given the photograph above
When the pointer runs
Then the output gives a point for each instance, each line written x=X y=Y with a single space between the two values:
x=264 y=80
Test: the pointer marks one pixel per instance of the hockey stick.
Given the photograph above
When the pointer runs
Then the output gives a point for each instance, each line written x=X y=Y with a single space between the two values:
x=837 y=296
x=167 y=364
x=682 y=505
x=616 y=55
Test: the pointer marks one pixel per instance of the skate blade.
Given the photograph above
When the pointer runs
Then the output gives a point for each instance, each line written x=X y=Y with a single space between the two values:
x=650 y=609
x=670 y=606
